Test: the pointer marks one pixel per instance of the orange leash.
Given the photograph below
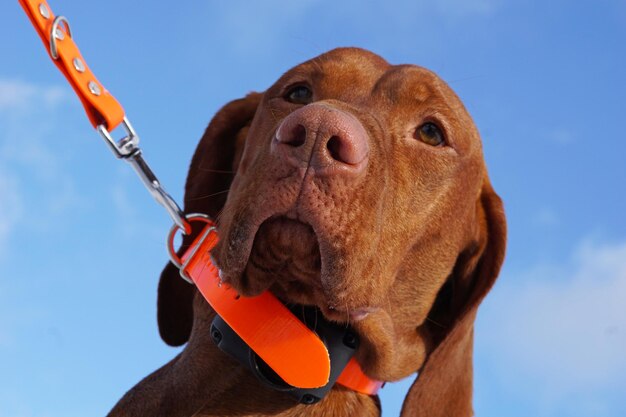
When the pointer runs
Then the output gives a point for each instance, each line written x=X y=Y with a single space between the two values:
x=290 y=348
x=101 y=107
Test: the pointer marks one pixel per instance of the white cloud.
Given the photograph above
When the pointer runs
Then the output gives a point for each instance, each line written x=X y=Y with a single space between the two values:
x=546 y=217
x=125 y=210
x=18 y=95
x=11 y=207
x=32 y=171
x=557 y=333
x=562 y=136
x=122 y=202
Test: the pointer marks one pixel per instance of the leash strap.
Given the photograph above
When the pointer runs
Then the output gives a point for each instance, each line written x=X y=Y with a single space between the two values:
x=101 y=107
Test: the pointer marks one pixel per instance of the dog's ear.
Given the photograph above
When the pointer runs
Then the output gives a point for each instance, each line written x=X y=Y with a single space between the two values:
x=444 y=383
x=212 y=169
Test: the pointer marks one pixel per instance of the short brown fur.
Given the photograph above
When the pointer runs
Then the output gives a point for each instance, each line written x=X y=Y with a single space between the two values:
x=417 y=239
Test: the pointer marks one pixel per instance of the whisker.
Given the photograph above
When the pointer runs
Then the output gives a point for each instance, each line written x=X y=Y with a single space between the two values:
x=218 y=216
x=434 y=322
x=217 y=171
x=273 y=114
x=208 y=195
x=388 y=298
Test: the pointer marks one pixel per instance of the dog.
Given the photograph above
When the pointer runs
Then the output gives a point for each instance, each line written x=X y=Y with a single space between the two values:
x=359 y=188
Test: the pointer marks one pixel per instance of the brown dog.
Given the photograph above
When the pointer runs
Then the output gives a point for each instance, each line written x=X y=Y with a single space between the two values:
x=357 y=187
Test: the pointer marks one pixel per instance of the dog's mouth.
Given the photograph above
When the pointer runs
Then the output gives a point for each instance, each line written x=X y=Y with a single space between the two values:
x=284 y=252
x=285 y=257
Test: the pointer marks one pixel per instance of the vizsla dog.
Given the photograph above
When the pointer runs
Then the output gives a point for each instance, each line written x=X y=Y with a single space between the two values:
x=359 y=188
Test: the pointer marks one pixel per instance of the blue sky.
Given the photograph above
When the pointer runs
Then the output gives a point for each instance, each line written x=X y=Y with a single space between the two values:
x=81 y=243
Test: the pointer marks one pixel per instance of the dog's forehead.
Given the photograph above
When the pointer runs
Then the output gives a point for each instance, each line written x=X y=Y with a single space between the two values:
x=343 y=73
x=348 y=68
x=352 y=72
x=412 y=82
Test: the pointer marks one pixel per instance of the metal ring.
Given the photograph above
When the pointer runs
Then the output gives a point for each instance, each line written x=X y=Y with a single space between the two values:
x=174 y=258
x=53 y=40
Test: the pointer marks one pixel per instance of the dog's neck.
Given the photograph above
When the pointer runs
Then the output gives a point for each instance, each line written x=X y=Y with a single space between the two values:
x=204 y=381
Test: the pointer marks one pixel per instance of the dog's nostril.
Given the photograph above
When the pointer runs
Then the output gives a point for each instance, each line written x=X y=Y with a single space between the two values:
x=297 y=136
x=334 y=147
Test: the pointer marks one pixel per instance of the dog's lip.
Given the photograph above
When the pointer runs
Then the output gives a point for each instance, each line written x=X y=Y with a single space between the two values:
x=238 y=258
x=348 y=314
x=237 y=254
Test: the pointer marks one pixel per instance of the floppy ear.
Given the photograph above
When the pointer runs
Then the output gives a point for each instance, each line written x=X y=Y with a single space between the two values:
x=212 y=169
x=444 y=384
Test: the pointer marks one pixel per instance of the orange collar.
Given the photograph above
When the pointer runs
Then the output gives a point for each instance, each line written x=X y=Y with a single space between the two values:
x=276 y=335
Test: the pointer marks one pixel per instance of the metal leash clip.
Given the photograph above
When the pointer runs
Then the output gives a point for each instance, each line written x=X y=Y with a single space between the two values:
x=128 y=149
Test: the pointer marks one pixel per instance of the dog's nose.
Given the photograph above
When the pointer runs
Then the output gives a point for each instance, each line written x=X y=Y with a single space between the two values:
x=324 y=138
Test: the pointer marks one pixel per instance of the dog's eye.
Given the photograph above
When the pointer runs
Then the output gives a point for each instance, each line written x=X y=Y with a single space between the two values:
x=299 y=94
x=430 y=134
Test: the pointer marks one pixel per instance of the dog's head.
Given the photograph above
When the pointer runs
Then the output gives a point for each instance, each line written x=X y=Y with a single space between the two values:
x=357 y=187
